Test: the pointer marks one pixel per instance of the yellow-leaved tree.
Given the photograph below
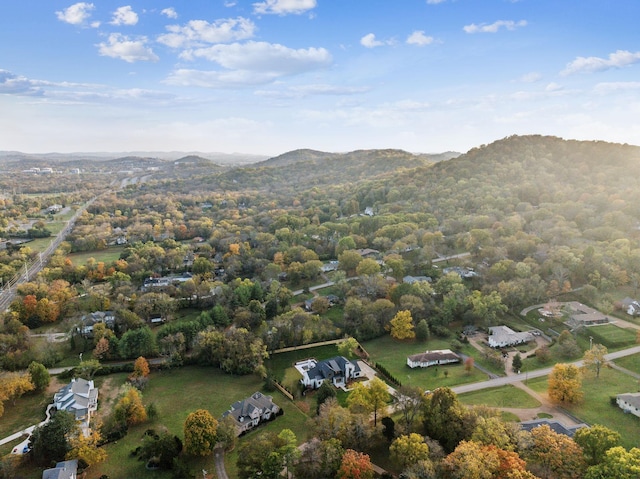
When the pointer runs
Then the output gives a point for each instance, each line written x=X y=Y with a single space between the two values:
x=401 y=326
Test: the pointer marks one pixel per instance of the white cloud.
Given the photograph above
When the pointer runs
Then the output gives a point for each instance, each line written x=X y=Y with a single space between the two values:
x=251 y=63
x=310 y=90
x=618 y=59
x=609 y=87
x=530 y=77
x=169 y=12
x=370 y=41
x=435 y=2
x=553 y=86
x=284 y=7
x=76 y=14
x=419 y=38
x=494 y=27
x=263 y=57
x=124 y=16
x=12 y=84
x=120 y=46
x=200 y=32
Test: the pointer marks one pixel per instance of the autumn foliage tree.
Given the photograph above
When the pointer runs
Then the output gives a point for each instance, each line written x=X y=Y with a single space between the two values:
x=200 y=430
x=401 y=326
x=129 y=408
x=12 y=386
x=594 y=358
x=355 y=465
x=408 y=450
x=565 y=384
x=553 y=455
x=369 y=398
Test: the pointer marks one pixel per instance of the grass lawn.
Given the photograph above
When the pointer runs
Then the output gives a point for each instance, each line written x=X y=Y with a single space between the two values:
x=178 y=392
x=506 y=396
x=393 y=354
x=611 y=336
x=596 y=407
x=632 y=363
x=39 y=244
x=279 y=363
x=106 y=256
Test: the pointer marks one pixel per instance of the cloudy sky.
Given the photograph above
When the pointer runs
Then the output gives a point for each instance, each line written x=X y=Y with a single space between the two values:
x=271 y=76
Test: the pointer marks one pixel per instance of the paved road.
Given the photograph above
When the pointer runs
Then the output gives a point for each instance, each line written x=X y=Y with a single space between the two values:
x=218 y=457
x=502 y=381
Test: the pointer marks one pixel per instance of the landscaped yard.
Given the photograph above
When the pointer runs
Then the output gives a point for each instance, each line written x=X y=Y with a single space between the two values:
x=612 y=336
x=596 y=407
x=393 y=354
x=631 y=363
x=176 y=393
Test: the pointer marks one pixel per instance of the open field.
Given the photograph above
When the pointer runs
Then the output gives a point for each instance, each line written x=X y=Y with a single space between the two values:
x=107 y=256
x=506 y=396
x=596 y=407
x=632 y=363
x=612 y=336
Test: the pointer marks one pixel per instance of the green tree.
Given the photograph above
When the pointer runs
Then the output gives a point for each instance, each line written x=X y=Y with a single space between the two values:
x=565 y=384
x=617 y=463
x=325 y=391
x=409 y=401
x=595 y=441
x=348 y=347
x=39 y=376
x=517 y=362
x=200 y=429
x=49 y=442
x=401 y=326
x=367 y=267
x=319 y=459
x=348 y=261
x=595 y=358
x=422 y=330
x=446 y=420
x=408 y=450
x=138 y=342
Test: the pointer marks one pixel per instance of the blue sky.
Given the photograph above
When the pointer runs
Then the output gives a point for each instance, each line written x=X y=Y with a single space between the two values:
x=270 y=76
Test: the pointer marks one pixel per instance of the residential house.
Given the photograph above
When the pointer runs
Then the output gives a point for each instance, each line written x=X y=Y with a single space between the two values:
x=250 y=412
x=432 y=358
x=416 y=279
x=63 y=470
x=555 y=426
x=79 y=397
x=629 y=402
x=368 y=253
x=581 y=315
x=631 y=306
x=90 y=320
x=503 y=336
x=338 y=370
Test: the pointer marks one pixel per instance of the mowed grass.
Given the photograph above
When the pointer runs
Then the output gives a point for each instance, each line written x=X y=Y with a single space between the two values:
x=632 y=363
x=107 y=256
x=393 y=354
x=177 y=393
x=505 y=396
x=613 y=337
x=280 y=362
x=596 y=407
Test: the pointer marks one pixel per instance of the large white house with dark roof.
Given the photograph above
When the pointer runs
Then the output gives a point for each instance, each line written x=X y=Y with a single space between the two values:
x=504 y=336
x=79 y=397
x=338 y=370
x=63 y=470
x=250 y=412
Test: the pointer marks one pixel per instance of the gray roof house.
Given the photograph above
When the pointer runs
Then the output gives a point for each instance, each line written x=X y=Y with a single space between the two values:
x=250 y=412
x=555 y=426
x=339 y=370
x=432 y=358
x=79 y=397
x=504 y=336
x=90 y=320
x=629 y=403
x=63 y=470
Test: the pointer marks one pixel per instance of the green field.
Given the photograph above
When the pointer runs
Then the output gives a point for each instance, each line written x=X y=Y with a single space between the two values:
x=611 y=336
x=632 y=363
x=176 y=393
x=506 y=396
x=596 y=407
x=106 y=256
x=393 y=354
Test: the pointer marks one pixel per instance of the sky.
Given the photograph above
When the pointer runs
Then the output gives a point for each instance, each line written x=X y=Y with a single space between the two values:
x=270 y=76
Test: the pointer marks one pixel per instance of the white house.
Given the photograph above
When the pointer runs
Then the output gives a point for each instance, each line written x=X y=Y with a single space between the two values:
x=432 y=358
x=79 y=397
x=629 y=402
x=339 y=370
x=250 y=412
x=63 y=470
x=503 y=336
